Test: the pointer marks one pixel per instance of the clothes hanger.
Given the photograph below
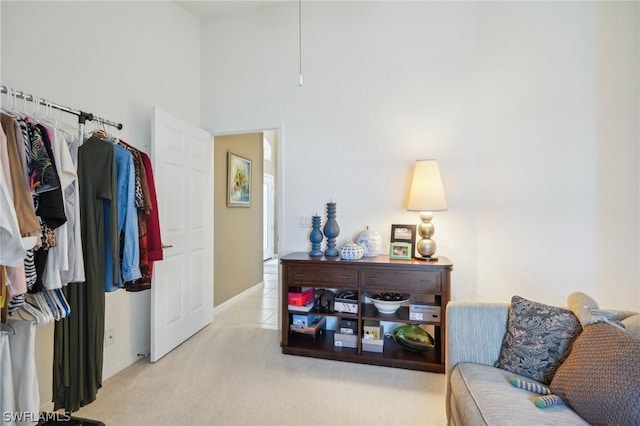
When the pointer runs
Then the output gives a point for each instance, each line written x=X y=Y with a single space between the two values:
x=36 y=115
x=53 y=306
x=42 y=116
x=33 y=305
x=12 y=101
x=53 y=301
x=5 y=326
x=44 y=307
x=33 y=311
x=63 y=301
x=69 y=132
x=31 y=317
x=6 y=108
x=22 y=113
x=97 y=131
x=58 y=296
x=108 y=136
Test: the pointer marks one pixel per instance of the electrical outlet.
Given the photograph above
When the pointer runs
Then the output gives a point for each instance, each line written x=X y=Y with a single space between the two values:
x=109 y=337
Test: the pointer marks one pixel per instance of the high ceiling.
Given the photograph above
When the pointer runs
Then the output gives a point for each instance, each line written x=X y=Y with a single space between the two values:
x=216 y=8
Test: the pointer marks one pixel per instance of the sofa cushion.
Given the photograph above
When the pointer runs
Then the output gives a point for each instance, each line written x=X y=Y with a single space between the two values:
x=482 y=395
x=538 y=339
x=600 y=379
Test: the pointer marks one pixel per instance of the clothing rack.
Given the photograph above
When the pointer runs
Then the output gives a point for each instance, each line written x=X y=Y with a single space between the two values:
x=82 y=116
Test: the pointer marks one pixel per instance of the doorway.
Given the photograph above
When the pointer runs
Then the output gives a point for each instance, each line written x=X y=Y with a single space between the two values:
x=239 y=231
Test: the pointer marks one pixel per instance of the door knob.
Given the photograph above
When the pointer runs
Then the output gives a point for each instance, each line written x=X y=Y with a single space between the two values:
x=164 y=246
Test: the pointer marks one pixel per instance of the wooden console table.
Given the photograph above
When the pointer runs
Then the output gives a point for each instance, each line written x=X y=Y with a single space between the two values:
x=366 y=277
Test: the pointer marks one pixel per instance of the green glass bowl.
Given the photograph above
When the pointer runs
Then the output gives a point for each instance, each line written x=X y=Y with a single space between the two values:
x=413 y=338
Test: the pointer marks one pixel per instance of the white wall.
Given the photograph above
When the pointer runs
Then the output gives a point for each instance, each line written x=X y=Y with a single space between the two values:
x=531 y=107
x=117 y=60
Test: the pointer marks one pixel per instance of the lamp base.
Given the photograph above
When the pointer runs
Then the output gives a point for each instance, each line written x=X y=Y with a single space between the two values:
x=427 y=259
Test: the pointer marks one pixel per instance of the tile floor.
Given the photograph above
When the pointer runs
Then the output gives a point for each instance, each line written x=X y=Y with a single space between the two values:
x=259 y=306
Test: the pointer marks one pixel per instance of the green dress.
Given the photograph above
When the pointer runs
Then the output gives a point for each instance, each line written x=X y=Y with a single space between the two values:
x=78 y=341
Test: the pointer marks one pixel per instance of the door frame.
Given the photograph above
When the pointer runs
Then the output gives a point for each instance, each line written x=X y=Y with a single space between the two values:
x=280 y=179
x=268 y=213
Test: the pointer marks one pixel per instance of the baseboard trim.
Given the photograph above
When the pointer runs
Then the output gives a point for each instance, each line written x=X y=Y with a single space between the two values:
x=223 y=306
x=130 y=360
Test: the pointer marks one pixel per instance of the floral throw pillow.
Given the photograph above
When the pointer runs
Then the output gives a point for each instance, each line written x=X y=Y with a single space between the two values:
x=538 y=339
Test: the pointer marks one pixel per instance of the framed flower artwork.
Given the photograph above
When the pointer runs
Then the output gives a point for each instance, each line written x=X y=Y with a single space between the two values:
x=238 y=181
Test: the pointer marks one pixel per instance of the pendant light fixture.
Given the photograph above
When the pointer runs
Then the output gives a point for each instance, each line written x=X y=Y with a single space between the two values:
x=300 y=82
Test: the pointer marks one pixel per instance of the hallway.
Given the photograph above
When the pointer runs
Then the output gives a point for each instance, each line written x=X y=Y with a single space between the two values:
x=257 y=308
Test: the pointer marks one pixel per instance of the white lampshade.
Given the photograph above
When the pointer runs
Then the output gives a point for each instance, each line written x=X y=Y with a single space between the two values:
x=427 y=192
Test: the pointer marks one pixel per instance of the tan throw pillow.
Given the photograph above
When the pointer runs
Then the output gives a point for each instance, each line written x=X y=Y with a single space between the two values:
x=582 y=305
x=588 y=312
x=600 y=379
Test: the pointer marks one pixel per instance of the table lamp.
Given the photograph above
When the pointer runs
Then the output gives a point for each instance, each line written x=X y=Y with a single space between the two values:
x=426 y=196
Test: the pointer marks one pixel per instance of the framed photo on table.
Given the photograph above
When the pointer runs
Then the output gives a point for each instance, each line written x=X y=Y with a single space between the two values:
x=238 y=181
x=404 y=234
x=400 y=251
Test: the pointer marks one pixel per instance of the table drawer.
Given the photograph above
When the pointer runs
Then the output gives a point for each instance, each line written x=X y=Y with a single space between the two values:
x=343 y=277
x=402 y=280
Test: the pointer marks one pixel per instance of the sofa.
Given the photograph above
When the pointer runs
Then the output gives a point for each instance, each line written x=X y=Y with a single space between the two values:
x=477 y=393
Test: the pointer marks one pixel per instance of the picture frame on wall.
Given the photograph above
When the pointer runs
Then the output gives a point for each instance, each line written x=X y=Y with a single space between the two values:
x=238 y=181
x=404 y=234
x=400 y=251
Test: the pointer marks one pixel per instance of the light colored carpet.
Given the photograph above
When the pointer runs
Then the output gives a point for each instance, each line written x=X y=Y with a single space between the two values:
x=237 y=375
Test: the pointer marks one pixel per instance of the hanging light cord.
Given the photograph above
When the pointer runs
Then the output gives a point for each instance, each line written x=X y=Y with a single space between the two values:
x=300 y=40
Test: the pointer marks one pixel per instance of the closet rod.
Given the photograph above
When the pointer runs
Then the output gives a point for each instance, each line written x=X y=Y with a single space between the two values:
x=82 y=116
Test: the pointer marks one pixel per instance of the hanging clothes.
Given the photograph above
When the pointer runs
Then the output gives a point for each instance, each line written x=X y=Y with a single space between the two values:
x=147 y=219
x=3 y=291
x=22 y=202
x=75 y=271
x=22 y=196
x=78 y=354
x=7 y=396
x=19 y=389
x=155 y=252
x=57 y=214
x=13 y=251
x=58 y=259
x=49 y=203
x=129 y=258
x=22 y=343
x=143 y=207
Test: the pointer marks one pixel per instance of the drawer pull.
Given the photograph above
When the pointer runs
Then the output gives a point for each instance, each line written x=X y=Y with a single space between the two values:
x=426 y=281
x=373 y=278
x=345 y=277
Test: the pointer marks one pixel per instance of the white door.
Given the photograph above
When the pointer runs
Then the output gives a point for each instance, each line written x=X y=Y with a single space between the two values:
x=268 y=226
x=182 y=289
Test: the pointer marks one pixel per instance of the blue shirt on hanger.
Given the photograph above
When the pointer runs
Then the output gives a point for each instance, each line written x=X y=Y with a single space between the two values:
x=127 y=224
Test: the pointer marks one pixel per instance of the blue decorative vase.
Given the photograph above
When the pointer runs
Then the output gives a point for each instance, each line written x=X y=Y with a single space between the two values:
x=331 y=231
x=315 y=237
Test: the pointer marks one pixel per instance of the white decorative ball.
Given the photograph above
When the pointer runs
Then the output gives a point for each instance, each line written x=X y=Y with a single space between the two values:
x=351 y=251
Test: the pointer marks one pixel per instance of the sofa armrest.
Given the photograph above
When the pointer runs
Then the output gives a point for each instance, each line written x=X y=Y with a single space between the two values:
x=475 y=331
